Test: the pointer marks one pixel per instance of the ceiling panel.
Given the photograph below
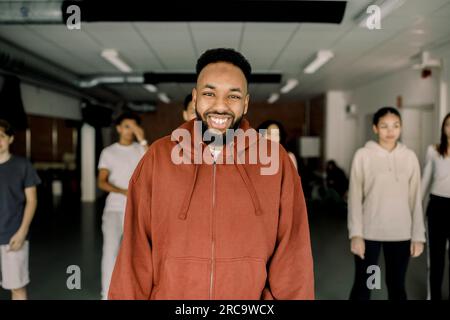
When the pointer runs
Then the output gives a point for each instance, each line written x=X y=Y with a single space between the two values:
x=172 y=44
x=30 y=39
x=256 y=47
x=420 y=8
x=79 y=44
x=443 y=11
x=124 y=38
x=303 y=47
x=226 y=35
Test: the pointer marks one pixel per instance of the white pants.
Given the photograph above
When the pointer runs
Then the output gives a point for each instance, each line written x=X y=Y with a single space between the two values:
x=112 y=228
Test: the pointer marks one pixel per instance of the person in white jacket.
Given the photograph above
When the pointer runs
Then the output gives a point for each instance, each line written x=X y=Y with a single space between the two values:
x=385 y=207
x=436 y=182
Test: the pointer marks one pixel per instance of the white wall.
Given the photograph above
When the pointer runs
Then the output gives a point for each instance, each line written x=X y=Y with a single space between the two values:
x=88 y=178
x=407 y=83
x=340 y=138
x=42 y=102
x=344 y=135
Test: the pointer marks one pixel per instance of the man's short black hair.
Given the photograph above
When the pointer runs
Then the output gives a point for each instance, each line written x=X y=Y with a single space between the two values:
x=187 y=100
x=128 y=115
x=224 y=55
x=7 y=128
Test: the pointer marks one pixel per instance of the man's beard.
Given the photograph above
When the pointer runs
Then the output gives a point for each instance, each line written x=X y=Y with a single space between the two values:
x=211 y=137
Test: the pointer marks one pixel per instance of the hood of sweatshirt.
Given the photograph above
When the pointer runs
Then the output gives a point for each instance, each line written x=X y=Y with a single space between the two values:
x=238 y=150
x=393 y=157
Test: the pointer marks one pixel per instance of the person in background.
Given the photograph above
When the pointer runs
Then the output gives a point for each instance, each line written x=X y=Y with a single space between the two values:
x=116 y=165
x=335 y=191
x=385 y=207
x=275 y=131
x=189 y=108
x=336 y=179
x=18 y=202
x=436 y=181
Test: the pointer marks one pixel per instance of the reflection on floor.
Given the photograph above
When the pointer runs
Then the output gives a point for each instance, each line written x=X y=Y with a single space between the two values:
x=63 y=237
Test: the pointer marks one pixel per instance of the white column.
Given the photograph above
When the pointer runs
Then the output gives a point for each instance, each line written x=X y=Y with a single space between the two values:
x=340 y=129
x=444 y=90
x=88 y=178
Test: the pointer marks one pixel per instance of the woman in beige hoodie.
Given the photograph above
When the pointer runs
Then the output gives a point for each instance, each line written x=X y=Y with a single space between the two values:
x=385 y=208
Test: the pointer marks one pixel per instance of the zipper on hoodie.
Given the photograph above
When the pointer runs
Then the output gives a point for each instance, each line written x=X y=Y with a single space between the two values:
x=212 y=233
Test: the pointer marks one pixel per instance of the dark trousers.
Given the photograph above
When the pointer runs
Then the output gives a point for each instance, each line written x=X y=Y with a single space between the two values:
x=438 y=213
x=396 y=256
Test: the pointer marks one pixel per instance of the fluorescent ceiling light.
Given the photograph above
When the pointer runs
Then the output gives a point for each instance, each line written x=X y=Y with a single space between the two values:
x=290 y=84
x=273 y=98
x=163 y=97
x=151 y=88
x=322 y=57
x=112 y=56
x=386 y=8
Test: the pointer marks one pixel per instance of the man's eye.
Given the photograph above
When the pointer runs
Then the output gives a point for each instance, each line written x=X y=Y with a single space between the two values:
x=235 y=97
x=209 y=94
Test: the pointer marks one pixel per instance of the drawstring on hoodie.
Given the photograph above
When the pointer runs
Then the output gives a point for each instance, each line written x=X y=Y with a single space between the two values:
x=250 y=188
x=248 y=184
x=187 y=199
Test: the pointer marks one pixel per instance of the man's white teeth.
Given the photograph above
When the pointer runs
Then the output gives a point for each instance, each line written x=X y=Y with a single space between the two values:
x=218 y=121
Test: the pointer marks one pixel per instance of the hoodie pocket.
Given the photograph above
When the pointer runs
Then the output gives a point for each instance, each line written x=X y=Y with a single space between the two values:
x=183 y=279
x=240 y=278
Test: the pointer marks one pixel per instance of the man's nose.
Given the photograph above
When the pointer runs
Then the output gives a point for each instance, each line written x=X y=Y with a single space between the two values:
x=221 y=104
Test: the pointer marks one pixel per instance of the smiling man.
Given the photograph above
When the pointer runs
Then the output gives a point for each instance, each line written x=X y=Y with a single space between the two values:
x=226 y=231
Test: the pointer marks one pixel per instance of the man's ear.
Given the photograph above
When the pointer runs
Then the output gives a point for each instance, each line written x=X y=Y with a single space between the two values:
x=11 y=139
x=194 y=97
x=184 y=115
x=118 y=128
x=247 y=99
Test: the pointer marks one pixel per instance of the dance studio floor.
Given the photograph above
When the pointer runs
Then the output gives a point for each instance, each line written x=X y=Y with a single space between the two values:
x=63 y=237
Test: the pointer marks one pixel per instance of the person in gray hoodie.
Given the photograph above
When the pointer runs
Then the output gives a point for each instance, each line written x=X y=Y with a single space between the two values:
x=385 y=207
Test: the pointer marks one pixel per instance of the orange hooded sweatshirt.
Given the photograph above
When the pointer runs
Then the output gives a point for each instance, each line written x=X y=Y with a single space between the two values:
x=213 y=231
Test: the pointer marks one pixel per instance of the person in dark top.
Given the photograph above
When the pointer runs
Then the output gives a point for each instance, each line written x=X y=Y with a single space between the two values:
x=18 y=181
x=336 y=179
